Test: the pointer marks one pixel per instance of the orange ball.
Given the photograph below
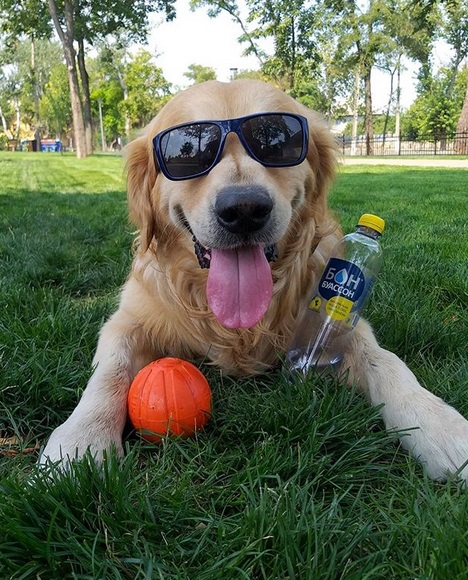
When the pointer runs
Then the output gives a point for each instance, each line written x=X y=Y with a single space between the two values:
x=169 y=396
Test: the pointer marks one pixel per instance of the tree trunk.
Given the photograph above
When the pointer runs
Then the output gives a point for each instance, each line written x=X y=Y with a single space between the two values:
x=66 y=38
x=390 y=101
x=77 y=112
x=292 y=72
x=369 y=120
x=87 y=116
x=125 y=96
x=461 y=141
x=398 y=110
x=387 y=112
x=18 y=119
x=357 y=87
x=6 y=130
x=37 y=119
x=101 y=124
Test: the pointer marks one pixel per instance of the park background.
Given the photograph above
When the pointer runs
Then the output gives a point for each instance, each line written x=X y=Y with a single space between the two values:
x=89 y=74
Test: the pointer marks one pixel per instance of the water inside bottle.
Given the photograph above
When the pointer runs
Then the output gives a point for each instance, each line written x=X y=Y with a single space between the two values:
x=303 y=362
x=325 y=350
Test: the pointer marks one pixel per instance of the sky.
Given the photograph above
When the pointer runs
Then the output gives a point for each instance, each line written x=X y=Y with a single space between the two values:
x=194 y=38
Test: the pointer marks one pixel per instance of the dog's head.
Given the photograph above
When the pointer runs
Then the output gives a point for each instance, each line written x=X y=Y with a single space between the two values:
x=243 y=187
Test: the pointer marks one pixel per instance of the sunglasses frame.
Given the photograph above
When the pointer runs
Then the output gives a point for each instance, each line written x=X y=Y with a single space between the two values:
x=231 y=126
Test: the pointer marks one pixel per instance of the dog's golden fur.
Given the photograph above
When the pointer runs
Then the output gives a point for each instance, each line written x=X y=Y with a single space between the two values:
x=181 y=297
x=164 y=310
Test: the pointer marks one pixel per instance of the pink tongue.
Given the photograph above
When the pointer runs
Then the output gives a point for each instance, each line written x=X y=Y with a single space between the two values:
x=239 y=286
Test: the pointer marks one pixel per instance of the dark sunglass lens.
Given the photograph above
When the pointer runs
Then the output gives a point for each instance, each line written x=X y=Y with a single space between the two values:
x=274 y=139
x=190 y=150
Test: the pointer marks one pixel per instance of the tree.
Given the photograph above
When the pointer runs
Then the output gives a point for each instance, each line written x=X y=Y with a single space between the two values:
x=289 y=22
x=8 y=89
x=363 y=37
x=409 y=28
x=55 y=104
x=305 y=60
x=378 y=33
x=20 y=89
x=107 y=91
x=320 y=48
x=98 y=19
x=455 y=32
x=461 y=144
x=148 y=90
x=434 y=115
x=65 y=28
x=36 y=60
x=114 y=56
x=199 y=74
x=325 y=86
x=292 y=24
x=27 y=18
x=79 y=23
x=248 y=74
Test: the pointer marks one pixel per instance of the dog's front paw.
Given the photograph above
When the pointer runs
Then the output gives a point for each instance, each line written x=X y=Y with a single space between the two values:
x=72 y=439
x=439 y=439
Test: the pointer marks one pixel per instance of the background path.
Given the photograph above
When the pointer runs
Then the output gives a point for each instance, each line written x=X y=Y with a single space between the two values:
x=425 y=162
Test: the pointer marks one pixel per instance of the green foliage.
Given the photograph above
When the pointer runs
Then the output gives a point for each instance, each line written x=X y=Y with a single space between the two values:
x=28 y=17
x=18 y=81
x=380 y=123
x=106 y=88
x=410 y=28
x=251 y=74
x=454 y=27
x=4 y=141
x=126 y=84
x=80 y=22
x=311 y=95
x=199 y=74
x=100 y=18
x=47 y=54
x=434 y=114
x=148 y=90
x=290 y=24
x=110 y=95
x=55 y=105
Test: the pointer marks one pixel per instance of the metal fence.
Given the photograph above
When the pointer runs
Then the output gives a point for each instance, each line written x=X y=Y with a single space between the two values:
x=391 y=145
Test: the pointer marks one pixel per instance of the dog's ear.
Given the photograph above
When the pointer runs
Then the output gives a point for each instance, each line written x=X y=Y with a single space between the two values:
x=141 y=177
x=322 y=156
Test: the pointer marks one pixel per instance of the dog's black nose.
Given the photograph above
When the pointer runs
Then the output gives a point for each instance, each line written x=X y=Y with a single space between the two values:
x=243 y=210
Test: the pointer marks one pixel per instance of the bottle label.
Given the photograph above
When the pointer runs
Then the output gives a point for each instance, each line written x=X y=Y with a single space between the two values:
x=341 y=285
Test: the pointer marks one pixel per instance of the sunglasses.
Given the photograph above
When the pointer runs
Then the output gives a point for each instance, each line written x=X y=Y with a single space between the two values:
x=193 y=149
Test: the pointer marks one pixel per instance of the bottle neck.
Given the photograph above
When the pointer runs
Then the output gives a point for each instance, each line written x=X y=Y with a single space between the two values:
x=369 y=232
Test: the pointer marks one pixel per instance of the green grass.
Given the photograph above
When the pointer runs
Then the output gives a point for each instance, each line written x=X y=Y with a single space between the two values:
x=289 y=480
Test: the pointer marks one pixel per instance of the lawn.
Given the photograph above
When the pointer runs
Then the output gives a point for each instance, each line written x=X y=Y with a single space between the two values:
x=289 y=480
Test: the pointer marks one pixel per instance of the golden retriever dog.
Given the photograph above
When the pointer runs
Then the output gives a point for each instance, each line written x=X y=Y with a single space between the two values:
x=228 y=187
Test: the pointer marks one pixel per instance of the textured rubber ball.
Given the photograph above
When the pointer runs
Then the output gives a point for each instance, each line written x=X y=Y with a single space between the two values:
x=169 y=396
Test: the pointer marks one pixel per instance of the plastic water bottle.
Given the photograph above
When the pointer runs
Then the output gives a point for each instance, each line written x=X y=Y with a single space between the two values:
x=337 y=302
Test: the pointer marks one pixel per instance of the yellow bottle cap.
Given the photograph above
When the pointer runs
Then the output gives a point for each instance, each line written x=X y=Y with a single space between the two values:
x=372 y=221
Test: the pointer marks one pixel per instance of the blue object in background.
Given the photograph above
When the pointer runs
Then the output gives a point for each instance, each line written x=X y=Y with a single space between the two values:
x=48 y=145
